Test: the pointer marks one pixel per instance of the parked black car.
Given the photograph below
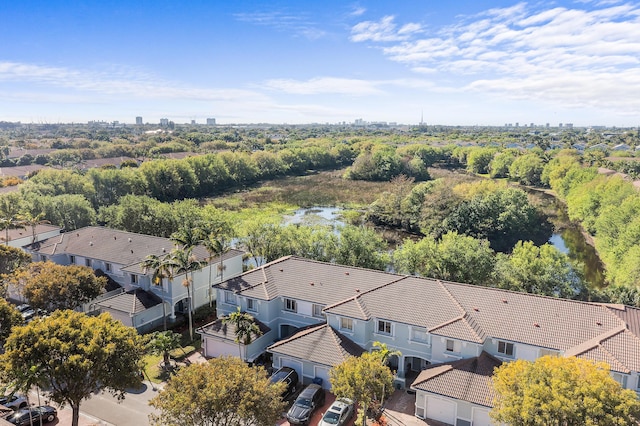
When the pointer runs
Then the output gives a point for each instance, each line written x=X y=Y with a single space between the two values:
x=288 y=376
x=305 y=404
x=31 y=416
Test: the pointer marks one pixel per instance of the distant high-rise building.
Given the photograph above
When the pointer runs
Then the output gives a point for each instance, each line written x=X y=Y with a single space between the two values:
x=517 y=124
x=193 y=122
x=532 y=125
x=560 y=125
x=211 y=121
x=569 y=125
x=164 y=121
x=139 y=121
x=547 y=125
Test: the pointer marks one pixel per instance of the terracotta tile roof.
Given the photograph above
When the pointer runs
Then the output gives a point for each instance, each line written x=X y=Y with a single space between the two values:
x=132 y=302
x=115 y=246
x=546 y=322
x=228 y=331
x=466 y=379
x=306 y=280
x=459 y=311
x=319 y=344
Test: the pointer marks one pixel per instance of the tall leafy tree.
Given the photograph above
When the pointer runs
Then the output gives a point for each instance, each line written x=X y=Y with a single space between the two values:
x=9 y=318
x=11 y=259
x=51 y=286
x=224 y=391
x=561 y=391
x=245 y=326
x=75 y=355
x=364 y=379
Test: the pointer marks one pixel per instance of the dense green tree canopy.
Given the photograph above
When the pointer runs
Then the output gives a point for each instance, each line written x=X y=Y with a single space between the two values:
x=9 y=318
x=74 y=355
x=50 y=286
x=221 y=392
x=561 y=391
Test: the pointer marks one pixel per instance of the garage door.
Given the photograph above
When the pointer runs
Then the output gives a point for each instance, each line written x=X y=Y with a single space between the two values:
x=216 y=348
x=441 y=409
x=296 y=365
x=323 y=373
x=481 y=417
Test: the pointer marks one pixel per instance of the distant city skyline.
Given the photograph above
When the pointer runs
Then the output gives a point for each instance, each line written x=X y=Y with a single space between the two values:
x=449 y=63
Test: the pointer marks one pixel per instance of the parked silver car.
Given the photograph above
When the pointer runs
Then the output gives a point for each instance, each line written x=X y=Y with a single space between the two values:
x=340 y=412
x=14 y=402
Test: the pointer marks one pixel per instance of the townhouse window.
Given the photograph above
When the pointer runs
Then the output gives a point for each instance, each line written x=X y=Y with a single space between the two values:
x=384 y=327
x=317 y=311
x=87 y=262
x=620 y=378
x=43 y=258
x=346 y=324
x=252 y=305
x=638 y=385
x=72 y=260
x=419 y=334
x=290 y=305
x=505 y=348
x=450 y=345
x=107 y=267
x=229 y=298
x=134 y=279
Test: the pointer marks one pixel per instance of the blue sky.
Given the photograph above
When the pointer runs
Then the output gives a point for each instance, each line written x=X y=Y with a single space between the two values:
x=454 y=63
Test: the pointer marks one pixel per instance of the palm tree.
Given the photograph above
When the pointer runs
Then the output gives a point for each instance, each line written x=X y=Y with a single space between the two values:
x=162 y=343
x=183 y=261
x=7 y=223
x=28 y=219
x=245 y=327
x=161 y=266
x=384 y=353
x=186 y=237
x=217 y=245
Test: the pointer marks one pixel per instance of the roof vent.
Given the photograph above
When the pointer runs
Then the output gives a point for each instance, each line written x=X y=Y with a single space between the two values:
x=357 y=290
x=598 y=323
x=163 y=249
x=346 y=273
x=77 y=234
x=311 y=283
x=115 y=238
x=131 y=251
x=90 y=243
x=476 y=309
x=281 y=270
x=129 y=239
x=535 y=324
x=504 y=301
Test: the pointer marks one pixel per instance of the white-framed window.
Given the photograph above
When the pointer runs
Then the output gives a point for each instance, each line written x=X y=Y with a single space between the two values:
x=107 y=267
x=43 y=258
x=290 y=305
x=346 y=324
x=252 y=305
x=452 y=346
x=620 y=378
x=316 y=311
x=87 y=262
x=72 y=260
x=384 y=327
x=134 y=279
x=419 y=334
x=229 y=298
x=505 y=348
x=638 y=385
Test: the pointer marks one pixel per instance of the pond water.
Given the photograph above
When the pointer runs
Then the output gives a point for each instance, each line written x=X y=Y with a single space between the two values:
x=569 y=239
x=567 y=236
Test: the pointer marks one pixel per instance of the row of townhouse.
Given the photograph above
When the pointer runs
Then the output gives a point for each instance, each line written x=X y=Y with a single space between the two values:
x=313 y=315
x=132 y=297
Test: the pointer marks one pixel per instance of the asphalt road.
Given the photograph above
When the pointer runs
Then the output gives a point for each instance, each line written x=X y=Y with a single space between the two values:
x=132 y=411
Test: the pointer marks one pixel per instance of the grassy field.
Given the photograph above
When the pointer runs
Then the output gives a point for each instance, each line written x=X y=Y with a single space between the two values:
x=318 y=189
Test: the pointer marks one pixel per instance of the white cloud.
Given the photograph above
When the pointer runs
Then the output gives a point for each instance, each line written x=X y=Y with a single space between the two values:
x=383 y=30
x=586 y=55
x=298 y=23
x=128 y=83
